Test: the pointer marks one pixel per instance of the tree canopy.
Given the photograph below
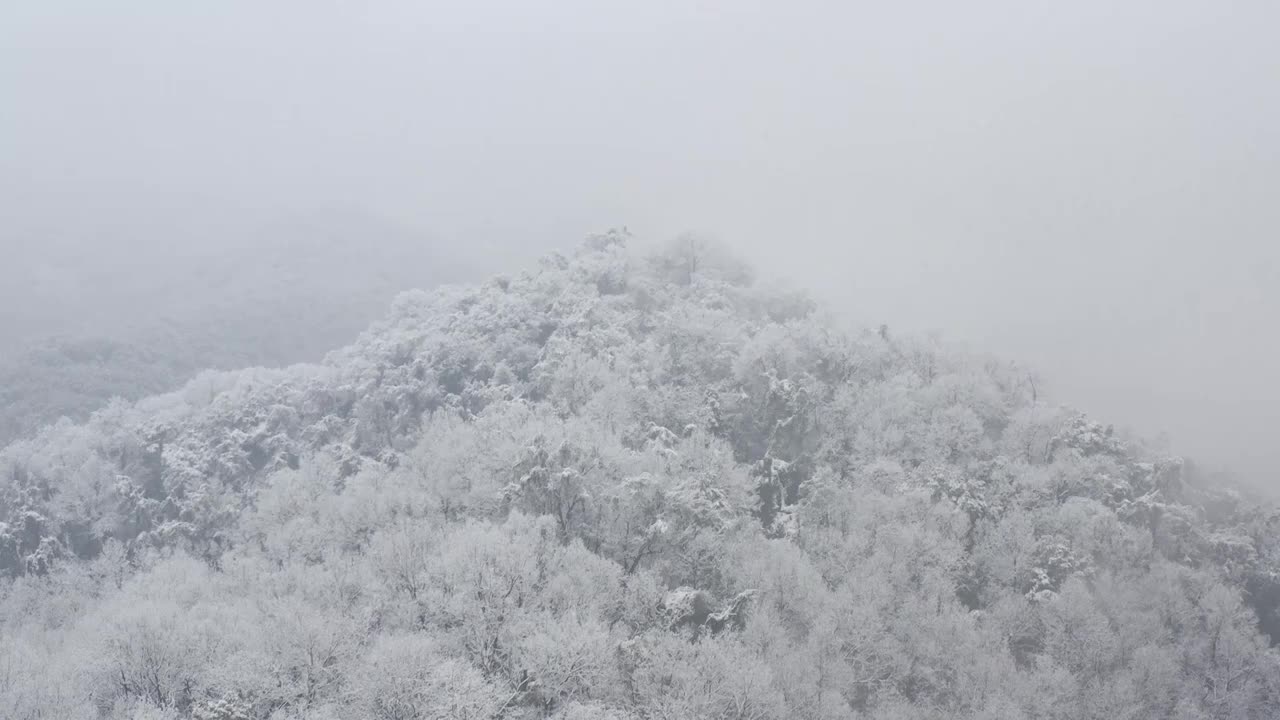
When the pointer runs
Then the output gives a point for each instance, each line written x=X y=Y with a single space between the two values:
x=625 y=486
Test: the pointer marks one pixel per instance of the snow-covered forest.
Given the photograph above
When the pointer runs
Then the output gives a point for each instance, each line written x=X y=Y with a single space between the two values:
x=625 y=484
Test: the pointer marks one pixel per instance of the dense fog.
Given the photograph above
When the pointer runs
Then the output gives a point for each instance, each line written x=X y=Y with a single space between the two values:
x=1085 y=187
x=668 y=361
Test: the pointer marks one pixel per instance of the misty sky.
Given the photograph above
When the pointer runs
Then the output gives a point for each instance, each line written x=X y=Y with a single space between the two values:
x=1087 y=187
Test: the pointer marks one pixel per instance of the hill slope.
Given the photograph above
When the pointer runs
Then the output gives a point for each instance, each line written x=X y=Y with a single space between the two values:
x=146 y=318
x=624 y=487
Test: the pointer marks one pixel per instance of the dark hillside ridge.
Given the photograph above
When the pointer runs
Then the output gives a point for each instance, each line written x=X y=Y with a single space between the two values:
x=150 y=320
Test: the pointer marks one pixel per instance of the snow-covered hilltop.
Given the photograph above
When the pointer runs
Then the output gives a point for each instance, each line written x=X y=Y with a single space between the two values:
x=625 y=486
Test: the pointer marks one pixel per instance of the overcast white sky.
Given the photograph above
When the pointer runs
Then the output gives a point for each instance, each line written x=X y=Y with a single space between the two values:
x=1089 y=187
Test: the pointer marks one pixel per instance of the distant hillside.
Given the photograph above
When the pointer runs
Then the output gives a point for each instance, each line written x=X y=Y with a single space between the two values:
x=625 y=486
x=155 y=315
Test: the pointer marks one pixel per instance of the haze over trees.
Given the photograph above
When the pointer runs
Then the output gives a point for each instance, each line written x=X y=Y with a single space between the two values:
x=109 y=307
x=625 y=485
